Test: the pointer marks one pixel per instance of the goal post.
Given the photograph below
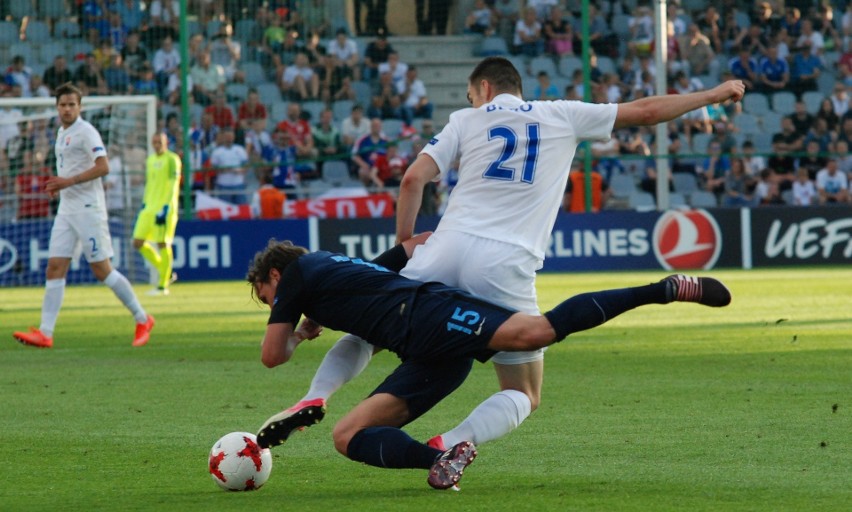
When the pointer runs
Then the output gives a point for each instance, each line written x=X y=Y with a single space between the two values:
x=28 y=128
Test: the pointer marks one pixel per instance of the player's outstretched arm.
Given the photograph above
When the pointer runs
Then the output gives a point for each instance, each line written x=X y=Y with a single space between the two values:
x=279 y=343
x=661 y=109
x=421 y=172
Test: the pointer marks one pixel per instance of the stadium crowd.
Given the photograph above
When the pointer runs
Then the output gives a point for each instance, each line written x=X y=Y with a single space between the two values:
x=286 y=97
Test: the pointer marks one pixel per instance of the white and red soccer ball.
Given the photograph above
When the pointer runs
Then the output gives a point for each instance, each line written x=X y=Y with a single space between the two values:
x=238 y=463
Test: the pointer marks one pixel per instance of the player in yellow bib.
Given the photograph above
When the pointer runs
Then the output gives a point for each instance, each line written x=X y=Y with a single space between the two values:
x=158 y=219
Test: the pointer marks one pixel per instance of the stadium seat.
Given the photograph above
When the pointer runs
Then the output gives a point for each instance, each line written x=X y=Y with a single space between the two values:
x=787 y=197
x=269 y=93
x=66 y=29
x=784 y=102
x=742 y=19
x=812 y=99
x=363 y=93
x=684 y=182
x=622 y=185
x=641 y=201
x=568 y=64
x=695 y=5
x=755 y=103
x=542 y=64
x=37 y=32
x=8 y=33
x=314 y=108
x=676 y=200
x=770 y=122
x=212 y=28
x=246 y=30
x=709 y=81
x=621 y=26
x=236 y=92
x=392 y=128
x=520 y=64
x=700 y=142
x=747 y=123
x=336 y=173
x=493 y=46
x=79 y=49
x=255 y=75
x=342 y=109
x=703 y=199
x=51 y=9
x=825 y=82
x=279 y=112
x=763 y=141
x=606 y=64
x=19 y=9
x=25 y=50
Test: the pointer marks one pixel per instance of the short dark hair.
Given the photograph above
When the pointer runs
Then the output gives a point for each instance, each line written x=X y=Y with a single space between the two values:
x=500 y=73
x=277 y=255
x=68 y=88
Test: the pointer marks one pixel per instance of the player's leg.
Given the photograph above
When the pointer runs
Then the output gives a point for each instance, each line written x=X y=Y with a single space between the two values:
x=142 y=231
x=165 y=239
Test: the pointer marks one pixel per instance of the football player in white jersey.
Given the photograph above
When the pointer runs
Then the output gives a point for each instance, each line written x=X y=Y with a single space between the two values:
x=81 y=221
x=515 y=157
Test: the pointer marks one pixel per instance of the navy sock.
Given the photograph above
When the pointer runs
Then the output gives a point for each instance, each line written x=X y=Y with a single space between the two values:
x=388 y=447
x=589 y=310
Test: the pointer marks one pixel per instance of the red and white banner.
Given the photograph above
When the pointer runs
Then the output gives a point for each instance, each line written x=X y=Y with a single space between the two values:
x=374 y=206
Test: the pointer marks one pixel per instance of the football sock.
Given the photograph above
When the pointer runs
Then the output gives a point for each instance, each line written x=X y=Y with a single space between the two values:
x=498 y=415
x=589 y=310
x=342 y=363
x=150 y=254
x=54 y=292
x=388 y=447
x=393 y=259
x=165 y=267
x=122 y=289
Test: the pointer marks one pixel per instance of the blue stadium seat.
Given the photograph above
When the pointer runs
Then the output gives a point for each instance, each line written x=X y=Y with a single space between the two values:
x=66 y=30
x=684 y=182
x=314 y=108
x=622 y=185
x=747 y=123
x=8 y=33
x=703 y=199
x=812 y=99
x=38 y=32
x=279 y=112
x=676 y=200
x=755 y=103
x=342 y=109
x=25 y=50
x=236 y=92
x=392 y=128
x=542 y=64
x=51 y=9
x=641 y=201
x=568 y=64
x=493 y=46
x=363 y=93
x=255 y=74
x=269 y=93
x=784 y=102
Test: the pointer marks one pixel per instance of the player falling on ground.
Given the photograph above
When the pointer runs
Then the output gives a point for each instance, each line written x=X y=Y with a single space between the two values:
x=515 y=157
x=437 y=331
x=81 y=161
x=158 y=218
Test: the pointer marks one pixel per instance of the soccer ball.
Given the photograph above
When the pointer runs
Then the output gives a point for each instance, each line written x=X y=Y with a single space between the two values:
x=237 y=463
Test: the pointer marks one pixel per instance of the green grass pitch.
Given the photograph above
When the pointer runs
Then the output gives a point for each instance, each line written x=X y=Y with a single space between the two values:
x=673 y=407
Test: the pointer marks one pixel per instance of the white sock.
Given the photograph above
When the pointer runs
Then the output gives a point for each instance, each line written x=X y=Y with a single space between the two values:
x=122 y=289
x=498 y=415
x=54 y=292
x=343 y=362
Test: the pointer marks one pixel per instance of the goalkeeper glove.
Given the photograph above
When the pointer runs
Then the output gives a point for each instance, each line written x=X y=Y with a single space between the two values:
x=160 y=219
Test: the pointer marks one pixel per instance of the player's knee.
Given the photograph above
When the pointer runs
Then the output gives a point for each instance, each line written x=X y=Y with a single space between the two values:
x=341 y=435
x=137 y=244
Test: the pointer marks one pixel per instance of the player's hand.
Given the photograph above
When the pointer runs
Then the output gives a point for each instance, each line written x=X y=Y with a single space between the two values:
x=732 y=90
x=160 y=219
x=308 y=330
x=55 y=184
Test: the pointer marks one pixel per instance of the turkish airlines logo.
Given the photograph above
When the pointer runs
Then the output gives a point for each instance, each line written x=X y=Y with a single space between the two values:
x=687 y=240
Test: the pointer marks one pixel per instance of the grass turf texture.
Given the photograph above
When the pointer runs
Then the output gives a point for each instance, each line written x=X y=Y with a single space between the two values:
x=666 y=408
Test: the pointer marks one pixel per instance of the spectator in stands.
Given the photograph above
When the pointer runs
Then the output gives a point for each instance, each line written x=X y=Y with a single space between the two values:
x=344 y=56
x=804 y=191
x=774 y=72
x=267 y=201
x=844 y=64
x=824 y=24
x=434 y=18
x=354 y=127
x=641 y=26
x=19 y=74
x=327 y=138
x=39 y=90
x=812 y=160
x=57 y=74
x=163 y=19
x=377 y=53
x=385 y=103
x=766 y=190
x=382 y=174
x=226 y=52
x=298 y=126
x=820 y=134
x=90 y=77
x=93 y=17
x=199 y=163
x=130 y=13
x=840 y=100
x=346 y=91
x=545 y=89
x=116 y=76
x=315 y=16
x=229 y=160
x=753 y=163
x=558 y=33
x=281 y=155
x=117 y=31
x=781 y=163
x=506 y=15
x=736 y=186
x=30 y=183
x=846 y=129
x=166 y=61
x=574 y=200
x=744 y=67
x=805 y=70
x=412 y=93
x=696 y=121
x=133 y=55
x=810 y=38
x=223 y=116
x=377 y=17
x=367 y=149
x=844 y=158
x=832 y=185
x=396 y=68
x=274 y=36
x=256 y=138
x=103 y=53
x=763 y=16
x=754 y=40
x=146 y=83
x=713 y=169
x=298 y=81
x=697 y=51
x=792 y=23
x=251 y=109
x=529 y=39
x=480 y=19
x=173 y=89
x=208 y=79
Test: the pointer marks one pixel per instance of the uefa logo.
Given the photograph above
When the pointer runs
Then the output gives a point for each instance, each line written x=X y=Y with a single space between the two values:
x=688 y=239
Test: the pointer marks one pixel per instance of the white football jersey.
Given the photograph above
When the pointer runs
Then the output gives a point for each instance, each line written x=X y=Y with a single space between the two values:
x=514 y=158
x=76 y=149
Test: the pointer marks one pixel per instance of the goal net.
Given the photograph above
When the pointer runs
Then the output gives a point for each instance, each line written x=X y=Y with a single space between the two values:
x=28 y=128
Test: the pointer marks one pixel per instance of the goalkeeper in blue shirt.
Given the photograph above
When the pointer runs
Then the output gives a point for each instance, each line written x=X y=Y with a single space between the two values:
x=158 y=219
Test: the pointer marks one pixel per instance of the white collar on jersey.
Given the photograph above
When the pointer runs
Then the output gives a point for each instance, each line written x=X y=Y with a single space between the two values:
x=507 y=100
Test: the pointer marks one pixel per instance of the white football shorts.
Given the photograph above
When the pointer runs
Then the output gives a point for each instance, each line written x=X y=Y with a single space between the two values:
x=75 y=232
x=500 y=272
